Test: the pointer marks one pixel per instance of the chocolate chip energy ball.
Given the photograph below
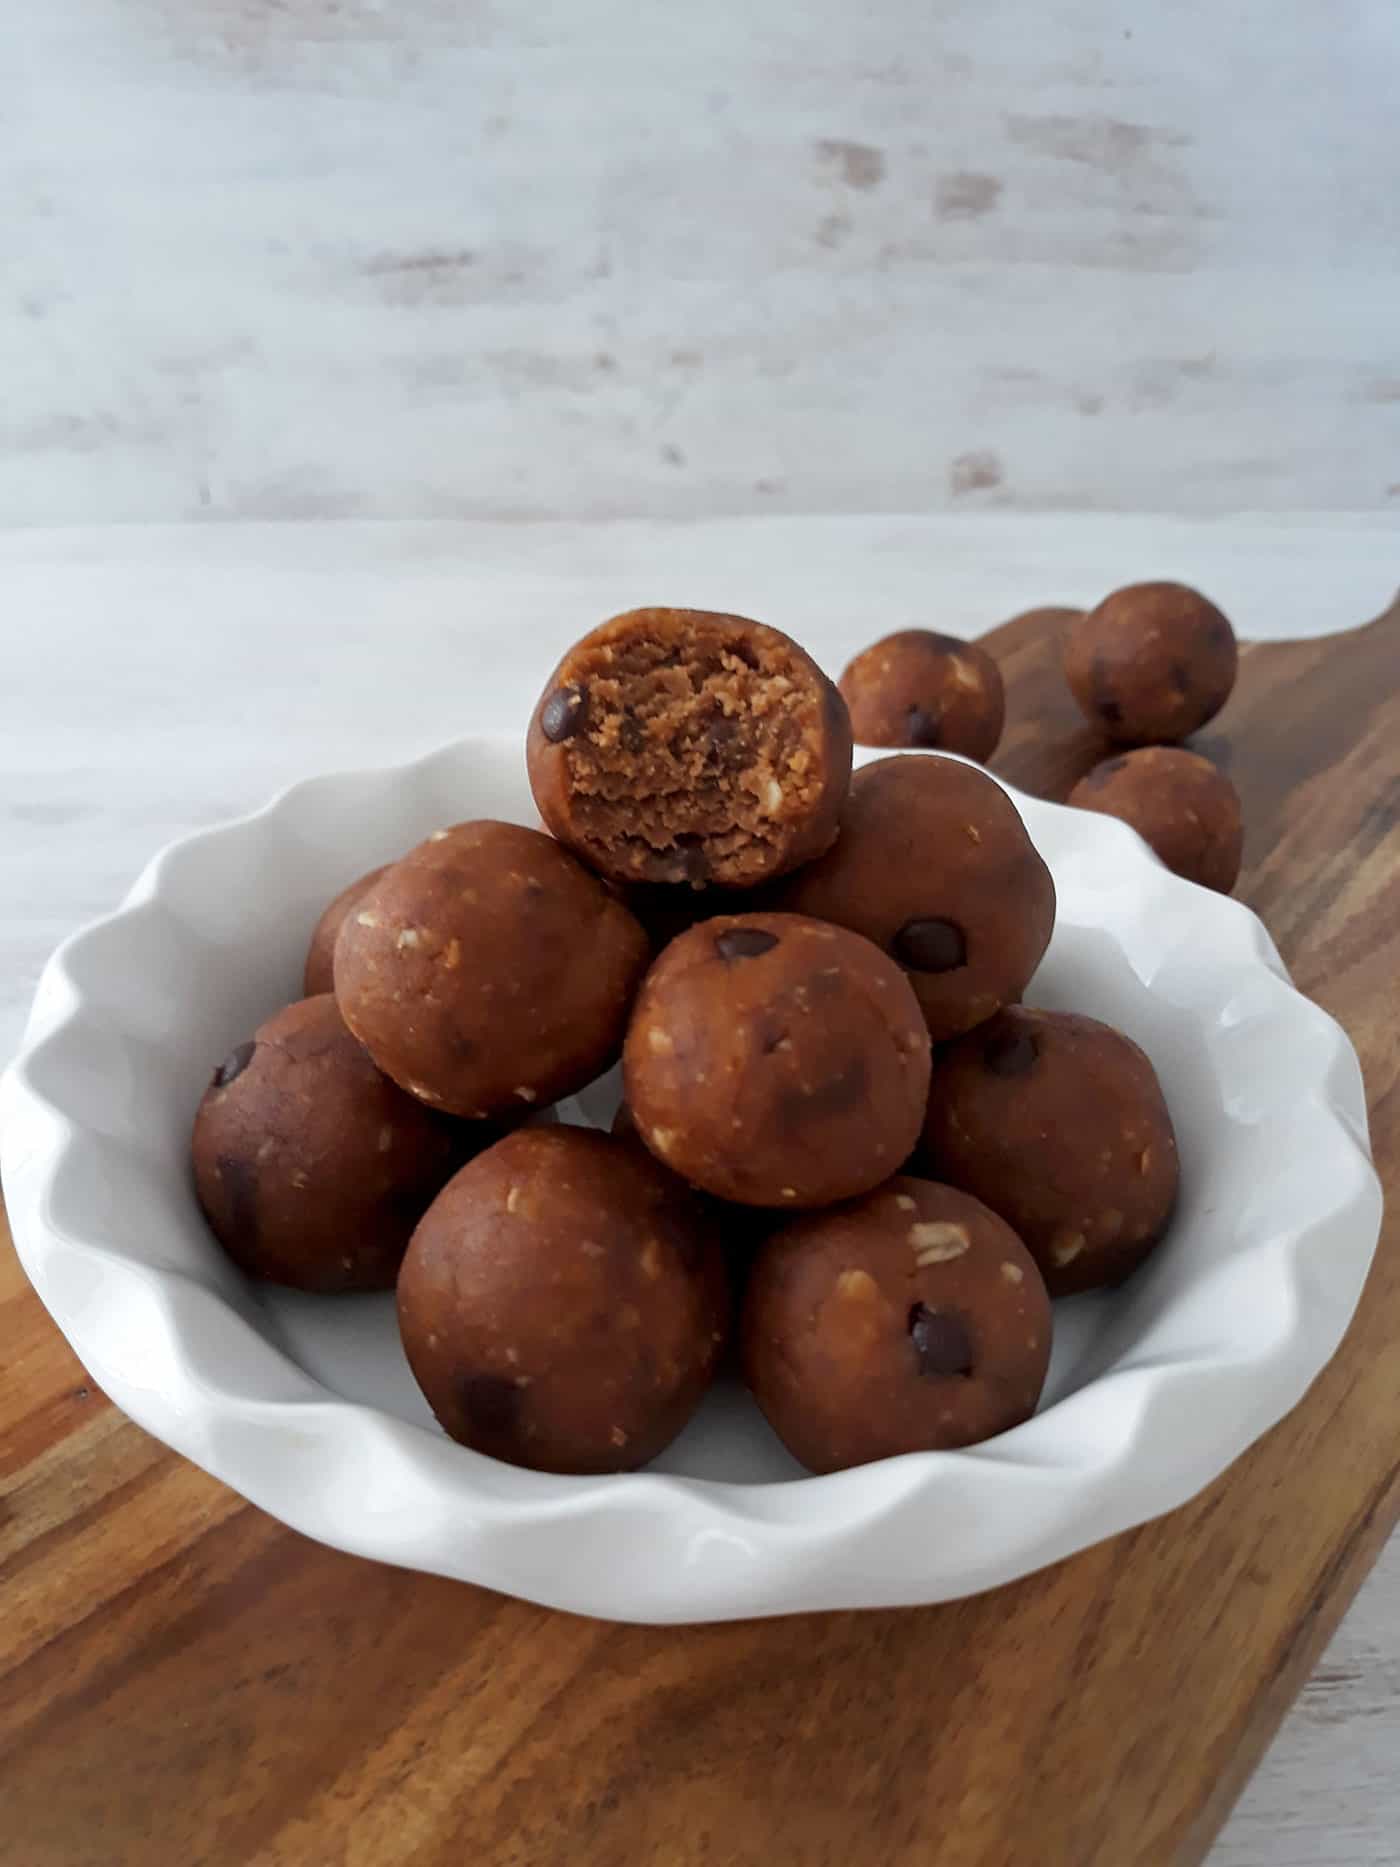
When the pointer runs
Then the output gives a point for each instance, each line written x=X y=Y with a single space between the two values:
x=320 y=955
x=678 y=745
x=777 y=1061
x=1058 y=1123
x=563 y=1303
x=908 y=1321
x=921 y=689
x=488 y=971
x=935 y=866
x=1179 y=804
x=1152 y=663
x=311 y=1166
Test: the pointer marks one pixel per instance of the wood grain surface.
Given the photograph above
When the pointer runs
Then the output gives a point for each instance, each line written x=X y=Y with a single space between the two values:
x=182 y=1680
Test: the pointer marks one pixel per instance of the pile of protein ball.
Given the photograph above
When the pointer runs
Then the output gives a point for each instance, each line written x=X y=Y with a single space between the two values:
x=845 y=1145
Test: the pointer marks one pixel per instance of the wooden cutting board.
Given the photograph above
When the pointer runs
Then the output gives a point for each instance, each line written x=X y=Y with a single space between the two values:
x=183 y=1681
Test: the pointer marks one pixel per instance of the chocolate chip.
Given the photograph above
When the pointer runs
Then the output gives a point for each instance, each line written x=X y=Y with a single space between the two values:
x=744 y=943
x=1010 y=1053
x=940 y=1340
x=562 y=714
x=921 y=727
x=238 y=1179
x=1180 y=677
x=630 y=735
x=1101 y=774
x=949 y=644
x=931 y=946
x=1101 y=683
x=490 y=1402
x=233 y=1065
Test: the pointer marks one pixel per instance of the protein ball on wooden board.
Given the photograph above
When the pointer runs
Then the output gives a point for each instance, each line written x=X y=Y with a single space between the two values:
x=681 y=745
x=935 y=866
x=311 y=1166
x=777 y=1061
x=488 y=971
x=319 y=975
x=1182 y=807
x=1152 y=663
x=1058 y=1122
x=563 y=1303
x=917 y=688
x=911 y=1320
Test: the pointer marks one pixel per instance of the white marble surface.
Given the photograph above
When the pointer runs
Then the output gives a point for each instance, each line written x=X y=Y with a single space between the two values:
x=155 y=679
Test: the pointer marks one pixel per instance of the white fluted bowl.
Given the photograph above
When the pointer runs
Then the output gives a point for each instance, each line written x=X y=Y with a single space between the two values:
x=305 y=1404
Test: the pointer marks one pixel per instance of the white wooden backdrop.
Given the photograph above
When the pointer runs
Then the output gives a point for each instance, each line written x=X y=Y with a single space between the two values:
x=508 y=260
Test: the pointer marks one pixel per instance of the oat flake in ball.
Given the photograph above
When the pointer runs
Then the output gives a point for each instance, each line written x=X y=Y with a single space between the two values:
x=682 y=745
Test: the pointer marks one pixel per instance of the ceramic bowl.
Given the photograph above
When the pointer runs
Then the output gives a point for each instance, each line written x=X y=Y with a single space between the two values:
x=305 y=1404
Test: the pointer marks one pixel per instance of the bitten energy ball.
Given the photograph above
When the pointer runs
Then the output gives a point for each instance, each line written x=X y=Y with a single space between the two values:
x=935 y=866
x=1179 y=804
x=908 y=1321
x=1152 y=663
x=917 y=688
x=1058 y=1123
x=320 y=955
x=311 y=1166
x=677 y=745
x=563 y=1303
x=776 y=1061
x=488 y=971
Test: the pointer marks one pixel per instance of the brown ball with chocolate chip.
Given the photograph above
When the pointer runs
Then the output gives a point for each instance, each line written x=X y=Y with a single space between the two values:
x=1179 y=804
x=916 y=688
x=777 y=1061
x=311 y=1166
x=685 y=746
x=1152 y=663
x=488 y=971
x=935 y=866
x=1058 y=1122
x=563 y=1303
x=912 y=1320
x=319 y=975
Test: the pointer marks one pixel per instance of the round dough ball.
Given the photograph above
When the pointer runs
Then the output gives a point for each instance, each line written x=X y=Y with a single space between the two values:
x=917 y=688
x=912 y=1320
x=311 y=1166
x=563 y=1303
x=1152 y=663
x=935 y=866
x=679 y=745
x=1059 y=1124
x=1179 y=804
x=776 y=1061
x=319 y=975
x=488 y=971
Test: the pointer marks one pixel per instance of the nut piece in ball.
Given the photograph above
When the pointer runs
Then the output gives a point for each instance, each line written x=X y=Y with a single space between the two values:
x=319 y=975
x=1152 y=663
x=777 y=1061
x=678 y=745
x=935 y=866
x=488 y=972
x=1059 y=1124
x=1182 y=807
x=311 y=1166
x=917 y=688
x=910 y=1320
x=563 y=1303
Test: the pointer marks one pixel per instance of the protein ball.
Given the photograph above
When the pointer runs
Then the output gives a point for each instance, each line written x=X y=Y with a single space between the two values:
x=488 y=971
x=680 y=745
x=1152 y=663
x=935 y=866
x=777 y=1061
x=563 y=1303
x=1058 y=1122
x=1179 y=804
x=911 y=1320
x=311 y=1166
x=319 y=975
x=917 y=688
